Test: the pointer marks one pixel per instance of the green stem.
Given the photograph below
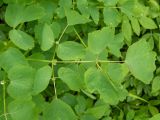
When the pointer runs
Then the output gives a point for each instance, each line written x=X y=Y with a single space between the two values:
x=4 y=98
x=137 y=97
x=53 y=60
x=74 y=61
x=81 y=40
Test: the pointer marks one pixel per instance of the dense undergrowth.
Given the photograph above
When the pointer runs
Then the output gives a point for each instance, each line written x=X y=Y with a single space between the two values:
x=79 y=60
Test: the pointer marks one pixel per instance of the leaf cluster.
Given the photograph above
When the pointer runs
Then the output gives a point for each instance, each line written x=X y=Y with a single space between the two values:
x=79 y=59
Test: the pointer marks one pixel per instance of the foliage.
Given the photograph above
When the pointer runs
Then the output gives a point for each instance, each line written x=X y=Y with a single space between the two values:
x=79 y=59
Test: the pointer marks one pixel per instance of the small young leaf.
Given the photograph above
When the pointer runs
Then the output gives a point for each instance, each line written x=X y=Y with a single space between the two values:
x=135 y=25
x=42 y=78
x=70 y=50
x=21 y=39
x=141 y=61
x=47 y=38
x=127 y=30
x=147 y=23
x=59 y=110
x=156 y=84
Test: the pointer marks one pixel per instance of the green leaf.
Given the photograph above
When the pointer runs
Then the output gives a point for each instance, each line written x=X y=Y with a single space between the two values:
x=98 y=40
x=111 y=17
x=82 y=5
x=116 y=71
x=21 y=39
x=71 y=77
x=147 y=23
x=155 y=117
x=94 y=12
x=18 y=1
x=13 y=11
x=130 y=115
x=59 y=110
x=155 y=84
x=110 y=92
x=98 y=111
x=19 y=109
x=65 y=4
x=21 y=81
x=127 y=30
x=141 y=61
x=47 y=38
x=42 y=78
x=70 y=50
x=77 y=19
x=32 y=12
x=110 y=2
x=12 y=57
x=127 y=7
x=23 y=14
x=135 y=25
x=153 y=110
x=116 y=44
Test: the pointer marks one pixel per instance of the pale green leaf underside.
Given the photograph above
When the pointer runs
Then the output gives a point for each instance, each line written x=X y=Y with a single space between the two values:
x=141 y=61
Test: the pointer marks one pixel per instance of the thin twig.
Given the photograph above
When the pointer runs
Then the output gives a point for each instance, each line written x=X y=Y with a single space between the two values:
x=74 y=61
x=81 y=40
